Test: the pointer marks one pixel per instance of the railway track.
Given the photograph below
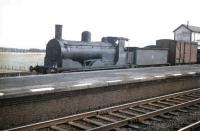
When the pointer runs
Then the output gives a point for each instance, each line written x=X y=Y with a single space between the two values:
x=132 y=115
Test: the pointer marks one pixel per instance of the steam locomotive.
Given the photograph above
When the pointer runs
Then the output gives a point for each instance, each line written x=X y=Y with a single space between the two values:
x=109 y=53
x=66 y=55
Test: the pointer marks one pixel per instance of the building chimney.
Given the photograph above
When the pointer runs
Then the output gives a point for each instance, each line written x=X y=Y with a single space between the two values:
x=58 y=31
x=187 y=23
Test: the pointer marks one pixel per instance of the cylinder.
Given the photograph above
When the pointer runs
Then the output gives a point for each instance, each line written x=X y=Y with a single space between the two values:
x=58 y=31
x=86 y=36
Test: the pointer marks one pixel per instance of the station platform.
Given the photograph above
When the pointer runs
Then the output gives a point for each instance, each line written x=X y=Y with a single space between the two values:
x=40 y=84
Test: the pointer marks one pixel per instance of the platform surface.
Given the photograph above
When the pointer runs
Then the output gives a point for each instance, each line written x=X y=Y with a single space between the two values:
x=40 y=84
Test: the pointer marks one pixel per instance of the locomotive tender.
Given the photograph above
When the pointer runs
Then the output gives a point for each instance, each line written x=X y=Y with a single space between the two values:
x=109 y=53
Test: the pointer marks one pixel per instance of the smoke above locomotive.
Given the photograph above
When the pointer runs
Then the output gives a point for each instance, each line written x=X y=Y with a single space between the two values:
x=64 y=55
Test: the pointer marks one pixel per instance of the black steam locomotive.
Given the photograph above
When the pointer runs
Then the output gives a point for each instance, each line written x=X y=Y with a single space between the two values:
x=66 y=55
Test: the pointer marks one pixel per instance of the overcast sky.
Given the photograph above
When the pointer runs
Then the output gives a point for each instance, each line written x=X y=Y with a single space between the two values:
x=30 y=23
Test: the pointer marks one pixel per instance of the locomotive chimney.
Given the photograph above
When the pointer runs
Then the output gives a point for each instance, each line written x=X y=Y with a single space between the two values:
x=86 y=36
x=58 y=31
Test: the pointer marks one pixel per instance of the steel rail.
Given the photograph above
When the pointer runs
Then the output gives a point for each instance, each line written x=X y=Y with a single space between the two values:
x=192 y=127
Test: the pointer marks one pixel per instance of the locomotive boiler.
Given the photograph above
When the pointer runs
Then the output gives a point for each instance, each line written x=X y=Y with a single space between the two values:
x=66 y=55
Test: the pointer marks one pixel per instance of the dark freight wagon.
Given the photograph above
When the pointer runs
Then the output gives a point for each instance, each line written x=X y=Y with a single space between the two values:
x=180 y=52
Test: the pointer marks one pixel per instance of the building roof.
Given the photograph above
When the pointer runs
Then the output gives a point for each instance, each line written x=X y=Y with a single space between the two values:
x=191 y=28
